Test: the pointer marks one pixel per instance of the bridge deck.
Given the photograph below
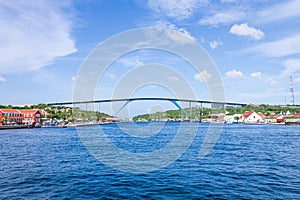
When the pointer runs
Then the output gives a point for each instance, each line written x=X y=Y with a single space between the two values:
x=145 y=99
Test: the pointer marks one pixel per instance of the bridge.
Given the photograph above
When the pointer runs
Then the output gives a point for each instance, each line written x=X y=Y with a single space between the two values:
x=128 y=100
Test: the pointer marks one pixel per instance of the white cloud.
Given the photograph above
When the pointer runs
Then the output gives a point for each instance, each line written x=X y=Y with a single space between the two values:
x=42 y=75
x=131 y=61
x=227 y=1
x=297 y=80
x=186 y=36
x=284 y=10
x=222 y=18
x=256 y=75
x=273 y=81
x=291 y=66
x=2 y=79
x=177 y=9
x=280 y=48
x=111 y=75
x=203 y=76
x=173 y=78
x=215 y=44
x=33 y=34
x=234 y=74
x=245 y=30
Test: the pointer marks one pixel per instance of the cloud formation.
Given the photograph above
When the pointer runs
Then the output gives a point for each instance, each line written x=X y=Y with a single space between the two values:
x=2 y=79
x=283 y=47
x=203 y=76
x=284 y=10
x=234 y=74
x=215 y=44
x=256 y=75
x=291 y=66
x=34 y=34
x=167 y=25
x=245 y=30
x=134 y=61
x=222 y=18
x=177 y=9
x=111 y=75
x=173 y=78
x=297 y=80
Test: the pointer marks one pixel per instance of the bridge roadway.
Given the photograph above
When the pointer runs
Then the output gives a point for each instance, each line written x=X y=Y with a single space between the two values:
x=146 y=99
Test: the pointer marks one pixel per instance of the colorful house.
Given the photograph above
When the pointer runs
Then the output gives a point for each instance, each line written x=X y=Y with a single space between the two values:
x=274 y=118
x=10 y=116
x=292 y=119
x=108 y=119
x=251 y=117
x=31 y=116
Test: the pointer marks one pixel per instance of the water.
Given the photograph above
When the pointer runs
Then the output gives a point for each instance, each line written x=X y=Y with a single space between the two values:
x=248 y=162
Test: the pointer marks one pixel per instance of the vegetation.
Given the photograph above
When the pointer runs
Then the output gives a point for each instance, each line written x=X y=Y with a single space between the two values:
x=263 y=108
x=37 y=106
x=196 y=112
x=60 y=112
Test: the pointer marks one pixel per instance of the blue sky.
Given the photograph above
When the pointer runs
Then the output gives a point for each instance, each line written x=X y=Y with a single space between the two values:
x=255 y=45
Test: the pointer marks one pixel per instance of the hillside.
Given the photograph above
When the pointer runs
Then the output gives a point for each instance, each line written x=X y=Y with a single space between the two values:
x=197 y=113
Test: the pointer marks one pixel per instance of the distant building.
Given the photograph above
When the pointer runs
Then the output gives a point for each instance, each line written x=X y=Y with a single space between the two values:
x=31 y=116
x=285 y=113
x=274 y=118
x=293 y=118
x=233 y=118
x=251 y=117
x=109 y=119
x=10 y=116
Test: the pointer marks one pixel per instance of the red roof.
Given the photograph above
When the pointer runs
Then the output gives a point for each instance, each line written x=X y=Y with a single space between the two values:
x=9 y=111
x=29 y=111
x=247 y=114
x=296 y=115
x=273 y=116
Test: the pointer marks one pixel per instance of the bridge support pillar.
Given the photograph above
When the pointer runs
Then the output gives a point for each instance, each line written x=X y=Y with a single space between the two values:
x=179 y=107
x=126 y=103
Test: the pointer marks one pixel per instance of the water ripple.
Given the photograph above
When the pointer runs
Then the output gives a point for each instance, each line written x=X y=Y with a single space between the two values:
x=248 y=162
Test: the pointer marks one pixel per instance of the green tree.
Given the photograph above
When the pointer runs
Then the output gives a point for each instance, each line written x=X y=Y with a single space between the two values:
x=236 y=118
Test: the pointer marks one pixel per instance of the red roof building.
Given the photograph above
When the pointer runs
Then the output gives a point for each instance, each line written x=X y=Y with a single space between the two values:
x=10 y=116
x=251 y=117
x=31 y=116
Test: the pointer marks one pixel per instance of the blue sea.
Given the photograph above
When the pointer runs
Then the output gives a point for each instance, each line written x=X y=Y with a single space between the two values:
x=247 y=162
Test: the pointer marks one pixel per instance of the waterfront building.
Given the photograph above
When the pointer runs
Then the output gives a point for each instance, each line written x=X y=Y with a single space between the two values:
x=10 y=116
x=233 y=118
x=31 y=116
x=274 y=118
x=251 y=117
x=292 y=119
x=109 y=119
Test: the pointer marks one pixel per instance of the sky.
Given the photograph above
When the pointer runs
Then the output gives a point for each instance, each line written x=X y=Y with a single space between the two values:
x=254 y=44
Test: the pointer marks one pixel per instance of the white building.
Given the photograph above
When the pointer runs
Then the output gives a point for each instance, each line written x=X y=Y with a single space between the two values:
x=251 y=117
x=233 y=118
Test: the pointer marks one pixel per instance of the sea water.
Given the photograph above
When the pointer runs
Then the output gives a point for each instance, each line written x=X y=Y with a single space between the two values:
x=247 y=162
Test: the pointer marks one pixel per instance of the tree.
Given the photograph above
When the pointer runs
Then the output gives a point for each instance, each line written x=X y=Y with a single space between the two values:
x=5 y=119
x=236 y=118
